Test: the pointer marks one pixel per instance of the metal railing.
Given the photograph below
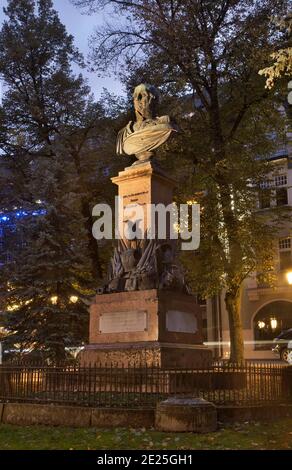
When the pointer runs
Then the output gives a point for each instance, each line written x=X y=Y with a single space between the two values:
x=137 y=386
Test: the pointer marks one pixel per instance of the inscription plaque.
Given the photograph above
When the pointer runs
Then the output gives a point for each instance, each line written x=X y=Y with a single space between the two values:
x=181 y=322
x=123 y=322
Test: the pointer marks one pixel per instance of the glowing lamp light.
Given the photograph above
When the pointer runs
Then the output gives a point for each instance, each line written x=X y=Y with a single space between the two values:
x=54 y=299
x=274 y=323
x=289 y=277
x=261 y=324
x=12 y=308
x=74 y=299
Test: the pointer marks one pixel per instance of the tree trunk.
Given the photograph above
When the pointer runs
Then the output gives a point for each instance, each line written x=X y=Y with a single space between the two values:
x=232 y=301
x=93 y=248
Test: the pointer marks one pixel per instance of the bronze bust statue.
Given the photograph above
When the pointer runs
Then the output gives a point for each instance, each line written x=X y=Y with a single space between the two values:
x=149 y=131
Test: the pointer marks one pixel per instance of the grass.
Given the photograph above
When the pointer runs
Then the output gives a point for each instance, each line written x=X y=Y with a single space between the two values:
x=272 y=435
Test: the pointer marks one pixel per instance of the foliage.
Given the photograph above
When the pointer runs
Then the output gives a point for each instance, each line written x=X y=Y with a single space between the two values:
x=55 y=141
x=206 y=56
x=47 y=292
x=282 y=57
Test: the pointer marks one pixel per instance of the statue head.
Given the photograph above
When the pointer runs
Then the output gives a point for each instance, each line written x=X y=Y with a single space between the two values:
x=145 y=98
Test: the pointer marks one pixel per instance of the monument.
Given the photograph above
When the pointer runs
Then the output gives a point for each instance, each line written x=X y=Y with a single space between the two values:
x=145 y=313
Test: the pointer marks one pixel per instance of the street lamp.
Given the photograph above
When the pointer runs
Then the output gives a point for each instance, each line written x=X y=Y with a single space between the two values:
x=274 y=323
x=289 y=277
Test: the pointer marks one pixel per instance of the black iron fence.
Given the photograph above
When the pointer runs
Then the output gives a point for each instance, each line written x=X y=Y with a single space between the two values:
x=136 y=386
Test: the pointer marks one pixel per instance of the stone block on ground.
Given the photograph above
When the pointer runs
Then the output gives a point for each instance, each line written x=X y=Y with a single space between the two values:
x=186 y=414
x=24 y=414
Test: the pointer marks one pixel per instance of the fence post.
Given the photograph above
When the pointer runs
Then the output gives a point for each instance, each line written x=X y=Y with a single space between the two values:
x=287 y=383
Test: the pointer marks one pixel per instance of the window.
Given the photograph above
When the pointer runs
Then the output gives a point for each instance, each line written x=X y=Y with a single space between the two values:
x=265 y=194
x=285 y=253
x=278 y=187
x=281 y=190
x=281 y=196
x=266 y=184
x=281 y=180
x=264 y=198
x=285 y=243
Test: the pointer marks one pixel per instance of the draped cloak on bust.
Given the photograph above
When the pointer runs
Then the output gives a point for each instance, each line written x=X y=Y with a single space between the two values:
x=152 y=134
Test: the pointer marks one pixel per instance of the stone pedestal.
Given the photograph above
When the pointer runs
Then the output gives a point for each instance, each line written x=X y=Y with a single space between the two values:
x=144 y=314
x=146 y=327
x=144 y=183
x=178 y=414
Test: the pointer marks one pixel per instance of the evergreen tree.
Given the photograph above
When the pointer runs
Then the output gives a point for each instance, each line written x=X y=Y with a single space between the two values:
x=44 y=103
x=50 y=140
x=48 y=282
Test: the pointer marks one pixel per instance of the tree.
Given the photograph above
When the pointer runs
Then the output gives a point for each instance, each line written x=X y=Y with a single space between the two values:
x=45 y=104
x=211 y=50
x=48 y=122
x=46 y=297
x=282 y=65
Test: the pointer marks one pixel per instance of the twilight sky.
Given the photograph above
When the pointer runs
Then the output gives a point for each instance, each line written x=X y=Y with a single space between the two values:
x=80 y=26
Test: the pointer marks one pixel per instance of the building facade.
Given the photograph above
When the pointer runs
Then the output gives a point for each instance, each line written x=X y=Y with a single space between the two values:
x=265 y=311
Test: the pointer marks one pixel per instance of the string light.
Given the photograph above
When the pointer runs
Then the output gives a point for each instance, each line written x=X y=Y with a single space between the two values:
x=54 y=299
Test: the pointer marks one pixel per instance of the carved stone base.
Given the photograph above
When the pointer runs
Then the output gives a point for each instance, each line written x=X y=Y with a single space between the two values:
x=152 y=327
x=165 y=355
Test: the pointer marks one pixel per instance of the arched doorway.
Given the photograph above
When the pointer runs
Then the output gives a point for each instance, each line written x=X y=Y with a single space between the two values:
x=269 y=321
